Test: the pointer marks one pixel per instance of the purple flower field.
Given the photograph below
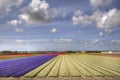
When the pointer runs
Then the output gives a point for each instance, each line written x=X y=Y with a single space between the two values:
x=20 y=66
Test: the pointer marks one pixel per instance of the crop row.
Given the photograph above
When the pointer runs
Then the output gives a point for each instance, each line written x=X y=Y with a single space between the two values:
x=21 y=66
x=79 y=66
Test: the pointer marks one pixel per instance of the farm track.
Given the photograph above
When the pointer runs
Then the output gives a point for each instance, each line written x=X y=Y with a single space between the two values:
x=82 y=66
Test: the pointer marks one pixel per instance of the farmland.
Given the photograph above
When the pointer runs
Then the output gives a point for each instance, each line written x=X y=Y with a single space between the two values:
x=10 y=56
x=67 y=66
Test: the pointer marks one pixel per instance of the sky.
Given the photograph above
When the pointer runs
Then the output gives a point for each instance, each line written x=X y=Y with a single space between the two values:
x=59 y=25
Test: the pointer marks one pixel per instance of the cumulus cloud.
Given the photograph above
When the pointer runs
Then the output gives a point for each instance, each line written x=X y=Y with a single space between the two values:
x=58 y=12
x=53 y=30
x=98 y=3
x=84 y=19
x=14 y=22
x=104 y=20
x=35 y=12
x=5 y=5
x=78 y=18
x=40 y=12
x=110 y=19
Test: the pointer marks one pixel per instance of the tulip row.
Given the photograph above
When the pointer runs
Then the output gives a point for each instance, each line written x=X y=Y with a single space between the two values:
x=21 y=66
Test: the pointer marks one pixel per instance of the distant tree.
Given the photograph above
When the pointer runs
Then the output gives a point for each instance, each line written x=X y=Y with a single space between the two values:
x=6 y=51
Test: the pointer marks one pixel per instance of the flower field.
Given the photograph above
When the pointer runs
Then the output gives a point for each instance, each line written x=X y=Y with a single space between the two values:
x=19 y=67
x=64 y=65
x=78 y=66
x=14 y=56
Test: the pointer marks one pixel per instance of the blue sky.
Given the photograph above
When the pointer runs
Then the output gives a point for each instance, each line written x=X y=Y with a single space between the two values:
x=59 y=25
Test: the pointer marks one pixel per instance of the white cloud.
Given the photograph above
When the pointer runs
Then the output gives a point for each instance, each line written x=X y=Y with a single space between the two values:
x=84 y=19
x=101 y=34
x=109 y=19
x=78 y=18
x=103 y=20
x=37 y=4
x=115 y=41
x=19 y=41
x=63 y=40
x=35 y=12
x=58 y=12
x=98 y=3
x=19 y=30
x=91 y=42
x=53 y=30
x=14 y=22
x=5 y=5
x=95 y=41
x=39 y=11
